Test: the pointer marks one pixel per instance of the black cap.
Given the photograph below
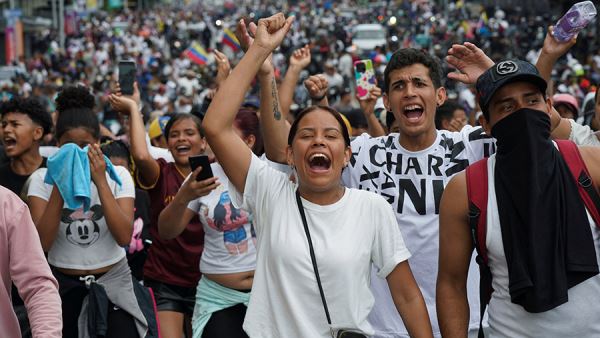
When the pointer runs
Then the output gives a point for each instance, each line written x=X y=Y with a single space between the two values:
x=503 y=73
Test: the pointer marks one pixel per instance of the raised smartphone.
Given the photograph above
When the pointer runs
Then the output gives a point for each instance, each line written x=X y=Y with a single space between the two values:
x=364 y=74
x=201 y=161
x=126 y=76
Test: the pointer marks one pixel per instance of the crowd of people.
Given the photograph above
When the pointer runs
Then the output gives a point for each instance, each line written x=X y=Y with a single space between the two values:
x=324 y=214
x=171 y=82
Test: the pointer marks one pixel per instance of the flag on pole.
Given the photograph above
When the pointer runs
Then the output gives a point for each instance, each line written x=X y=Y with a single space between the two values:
x=230 y=40
x=197 y=53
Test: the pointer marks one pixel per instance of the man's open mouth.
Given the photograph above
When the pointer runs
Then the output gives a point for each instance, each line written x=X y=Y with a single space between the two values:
x=9 y=142
x=413 y=112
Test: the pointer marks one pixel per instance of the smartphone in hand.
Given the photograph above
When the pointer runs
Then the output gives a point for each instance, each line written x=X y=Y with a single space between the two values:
x=364 y=73
x=201 y=161
x=127 y=72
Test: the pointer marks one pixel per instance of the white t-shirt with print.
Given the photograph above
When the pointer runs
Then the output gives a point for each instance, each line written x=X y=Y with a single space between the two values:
x=83 y=240
x=413 y=183
x=229 y=238
x=347 y=236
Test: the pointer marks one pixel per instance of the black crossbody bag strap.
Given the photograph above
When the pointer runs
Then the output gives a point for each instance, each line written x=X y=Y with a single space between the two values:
x=312 y=256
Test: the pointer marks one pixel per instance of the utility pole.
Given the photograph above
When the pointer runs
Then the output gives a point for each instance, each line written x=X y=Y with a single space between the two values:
x=61 y=23
x=54 y=16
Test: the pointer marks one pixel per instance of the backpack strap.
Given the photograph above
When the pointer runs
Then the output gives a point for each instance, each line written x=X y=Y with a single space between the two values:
x=585 y=185
x=477 y=191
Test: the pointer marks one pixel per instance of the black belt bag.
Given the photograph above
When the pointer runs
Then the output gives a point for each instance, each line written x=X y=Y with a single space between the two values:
x=341 y=333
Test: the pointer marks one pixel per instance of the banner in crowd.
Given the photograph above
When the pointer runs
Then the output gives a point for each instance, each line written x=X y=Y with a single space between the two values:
x=13 y=32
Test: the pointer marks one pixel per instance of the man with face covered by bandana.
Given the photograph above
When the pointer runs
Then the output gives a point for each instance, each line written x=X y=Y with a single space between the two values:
x=541 y=242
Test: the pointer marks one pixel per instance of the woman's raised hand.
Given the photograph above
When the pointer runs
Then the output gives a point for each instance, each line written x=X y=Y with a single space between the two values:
x=271 y=31
x=192 y=189
x=300 y=57
x=123 y=104
x=316 y=85
x=223 y=67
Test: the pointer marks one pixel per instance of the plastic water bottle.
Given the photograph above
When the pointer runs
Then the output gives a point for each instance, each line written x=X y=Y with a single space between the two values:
x=578 y=16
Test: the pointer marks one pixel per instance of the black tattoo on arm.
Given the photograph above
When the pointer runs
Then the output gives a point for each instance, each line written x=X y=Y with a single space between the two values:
x=275 y=97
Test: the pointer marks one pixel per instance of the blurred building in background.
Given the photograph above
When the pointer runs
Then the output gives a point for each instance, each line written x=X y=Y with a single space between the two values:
x=20 y=20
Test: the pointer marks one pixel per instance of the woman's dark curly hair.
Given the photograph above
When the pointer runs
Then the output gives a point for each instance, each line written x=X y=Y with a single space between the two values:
x=77 y=118
x=74 y=97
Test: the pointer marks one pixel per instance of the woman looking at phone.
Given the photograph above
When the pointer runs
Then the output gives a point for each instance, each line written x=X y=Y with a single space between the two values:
x=229 y=257
x=350 y=229
x=171 y=268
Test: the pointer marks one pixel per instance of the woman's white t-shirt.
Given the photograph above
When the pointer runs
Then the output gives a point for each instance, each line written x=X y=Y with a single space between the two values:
x=347 y=236
x=83 y=240
x=229 y=238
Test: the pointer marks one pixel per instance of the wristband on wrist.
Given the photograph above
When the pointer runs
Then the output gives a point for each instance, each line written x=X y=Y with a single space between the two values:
x=317 y=98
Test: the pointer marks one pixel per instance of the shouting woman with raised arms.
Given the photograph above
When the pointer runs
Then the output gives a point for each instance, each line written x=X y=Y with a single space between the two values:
x=347 y=228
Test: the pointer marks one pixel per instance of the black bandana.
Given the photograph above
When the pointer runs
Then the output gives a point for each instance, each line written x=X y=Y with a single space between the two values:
x=547 y=238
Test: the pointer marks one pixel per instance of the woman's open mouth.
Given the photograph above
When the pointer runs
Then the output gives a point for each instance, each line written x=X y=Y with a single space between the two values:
x=319 y=162
x=182 y=150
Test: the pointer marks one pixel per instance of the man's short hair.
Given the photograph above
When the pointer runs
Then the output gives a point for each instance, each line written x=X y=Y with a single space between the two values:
x=409 y=56
x=445 y=112
x=30 y=107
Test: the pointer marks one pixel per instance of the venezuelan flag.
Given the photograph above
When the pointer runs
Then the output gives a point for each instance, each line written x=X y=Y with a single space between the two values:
x=230 y=40
x=197 y=54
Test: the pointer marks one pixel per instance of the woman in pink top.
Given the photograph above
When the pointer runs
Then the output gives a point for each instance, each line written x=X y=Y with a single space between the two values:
x=22 y=261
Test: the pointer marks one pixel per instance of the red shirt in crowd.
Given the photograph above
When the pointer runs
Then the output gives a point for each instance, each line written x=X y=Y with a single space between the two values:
x=175 y=261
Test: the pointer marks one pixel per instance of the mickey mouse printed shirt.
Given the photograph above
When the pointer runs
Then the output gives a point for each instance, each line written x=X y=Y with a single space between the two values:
x=83 y=240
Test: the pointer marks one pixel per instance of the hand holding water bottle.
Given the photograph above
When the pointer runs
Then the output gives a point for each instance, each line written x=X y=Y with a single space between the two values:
x=576 y=18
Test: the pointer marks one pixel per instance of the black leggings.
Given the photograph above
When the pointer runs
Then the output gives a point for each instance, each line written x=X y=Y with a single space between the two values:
x=72 y=292
x=226 y=323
